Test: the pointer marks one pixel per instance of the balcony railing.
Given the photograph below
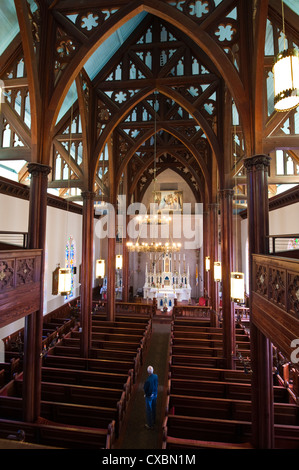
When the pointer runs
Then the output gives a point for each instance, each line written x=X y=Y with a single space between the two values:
x=20 y=284
x=275 y=300
x=285 y=243
x=277 y=280
x=15 y=239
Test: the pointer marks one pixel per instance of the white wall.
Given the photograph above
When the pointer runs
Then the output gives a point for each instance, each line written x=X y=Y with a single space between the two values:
x=60 y=226
x=285 y=220
x=14 y=214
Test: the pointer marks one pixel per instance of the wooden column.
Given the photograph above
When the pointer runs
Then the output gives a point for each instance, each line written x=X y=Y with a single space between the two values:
x=34 y=322
x=111 y=265
x=213 y=240
x=87 y=270
x=229 y=341
x=126 y=261
x=261 y=347
x=206 y=250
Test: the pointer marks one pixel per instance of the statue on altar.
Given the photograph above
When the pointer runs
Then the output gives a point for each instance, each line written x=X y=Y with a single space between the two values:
x=166 y=280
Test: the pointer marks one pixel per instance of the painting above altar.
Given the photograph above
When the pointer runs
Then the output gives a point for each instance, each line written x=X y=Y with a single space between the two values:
x=169 y=201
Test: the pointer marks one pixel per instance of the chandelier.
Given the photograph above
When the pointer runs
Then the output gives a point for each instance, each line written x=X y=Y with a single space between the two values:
x=157 y=219
x=286 y=77
x=154 y=247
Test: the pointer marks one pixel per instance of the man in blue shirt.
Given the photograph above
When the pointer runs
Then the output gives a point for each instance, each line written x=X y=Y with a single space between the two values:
x=150 y=392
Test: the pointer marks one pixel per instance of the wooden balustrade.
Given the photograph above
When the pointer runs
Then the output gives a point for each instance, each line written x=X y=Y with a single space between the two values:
x=198 y=311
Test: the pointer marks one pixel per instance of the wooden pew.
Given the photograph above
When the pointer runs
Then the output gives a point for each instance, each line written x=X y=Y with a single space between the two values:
x=78 y=394
x=178 y=443
x=62 y=350
x=64 y=413
x=88 y=378
x=106 y=398
x=119 y=355
x=286 y=436
x=116 y=329
x=220 y=389
x=195 y=351
x=59 y=436
x=226 y=408
x=80 y=363
x=205 y=343
x=203 y=361
x=197 y=361
x=180 y=371
x=108 y=354
x=123 y=318
x=102 y=344
x=194 y=335
x=115 y=335
x=206 y=429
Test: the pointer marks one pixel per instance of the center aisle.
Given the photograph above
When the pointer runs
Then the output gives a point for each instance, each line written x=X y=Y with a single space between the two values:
x=134 y=434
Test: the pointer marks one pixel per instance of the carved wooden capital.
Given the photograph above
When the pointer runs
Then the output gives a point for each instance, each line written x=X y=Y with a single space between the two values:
x=88 y=195
x=257 y=162
x=36 y=169
x=226 y=193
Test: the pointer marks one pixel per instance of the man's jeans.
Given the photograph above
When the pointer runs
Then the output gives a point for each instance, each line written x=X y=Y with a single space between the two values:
x=151 y=403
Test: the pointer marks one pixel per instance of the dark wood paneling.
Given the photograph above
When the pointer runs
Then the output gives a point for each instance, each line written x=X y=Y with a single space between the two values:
x=20 y=278
x=276 y=324
x=275 y=301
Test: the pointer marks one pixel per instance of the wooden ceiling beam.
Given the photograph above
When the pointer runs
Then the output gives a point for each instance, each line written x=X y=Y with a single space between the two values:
x=283 y=142
x=16 y=153
x=17 y=123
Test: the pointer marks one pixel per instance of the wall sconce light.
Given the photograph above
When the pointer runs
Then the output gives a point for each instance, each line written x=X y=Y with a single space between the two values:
x=100 y=268
x=217 y=271
x=64 y=281
x=119 y=262
x=237 y=287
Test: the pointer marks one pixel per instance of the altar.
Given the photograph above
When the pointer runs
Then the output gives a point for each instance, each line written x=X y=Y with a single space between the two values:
x=167 y=280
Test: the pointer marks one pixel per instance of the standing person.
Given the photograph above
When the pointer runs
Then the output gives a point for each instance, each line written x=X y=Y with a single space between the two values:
x=150 y=392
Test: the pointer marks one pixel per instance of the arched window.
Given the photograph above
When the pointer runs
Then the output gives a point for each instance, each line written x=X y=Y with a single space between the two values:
x=70 y=261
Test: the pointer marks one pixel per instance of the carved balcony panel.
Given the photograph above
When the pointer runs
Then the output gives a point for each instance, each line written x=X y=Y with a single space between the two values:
x=261 y=280
x=20 y=284
x=277 y=288
x=275 y=300
x=293 y=294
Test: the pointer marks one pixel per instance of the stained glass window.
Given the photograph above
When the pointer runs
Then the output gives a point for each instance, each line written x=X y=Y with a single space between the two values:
x=70 y=261
x=293 y=244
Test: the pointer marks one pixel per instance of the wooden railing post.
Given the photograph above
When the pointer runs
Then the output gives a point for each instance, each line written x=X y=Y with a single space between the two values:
x=261 y=347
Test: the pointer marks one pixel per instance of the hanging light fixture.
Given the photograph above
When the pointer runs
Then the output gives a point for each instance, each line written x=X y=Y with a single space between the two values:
x=237 y=283
x=64 y=281
x=65 y=274
x=237 y=287
x=286 y=77
x=217 y=271
x=100 y=268
x=154 y=247
x=155 y=218
x=208 y=264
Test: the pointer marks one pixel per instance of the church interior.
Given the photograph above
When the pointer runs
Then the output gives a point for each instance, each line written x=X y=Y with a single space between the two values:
x=149 y=202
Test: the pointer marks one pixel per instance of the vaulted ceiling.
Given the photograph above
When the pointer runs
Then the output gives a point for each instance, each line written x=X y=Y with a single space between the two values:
x=108 y=93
